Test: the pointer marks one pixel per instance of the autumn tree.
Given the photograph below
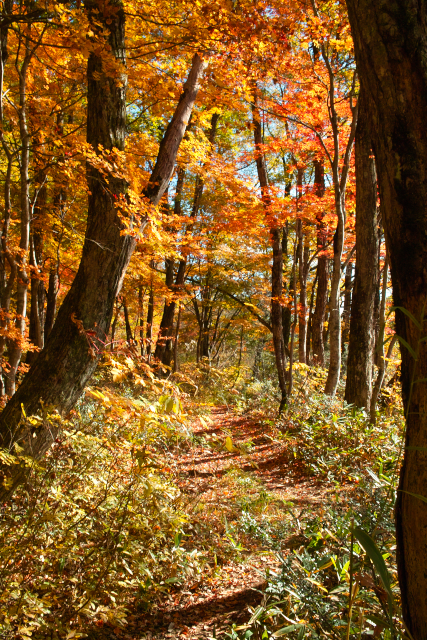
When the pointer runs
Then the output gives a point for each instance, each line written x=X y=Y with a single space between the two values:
x=70 y=356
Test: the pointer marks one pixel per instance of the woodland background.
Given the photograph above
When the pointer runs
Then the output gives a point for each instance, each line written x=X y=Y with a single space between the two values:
x=194 y=187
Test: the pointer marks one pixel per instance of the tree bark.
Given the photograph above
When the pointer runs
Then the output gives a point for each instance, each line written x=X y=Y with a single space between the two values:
x=21 y=259
x=347 y=305
x=150 y=318
x=175 y=344
x=51 y=299
x=310 y=322
x=70 y=356
x=129 y=336
x=391 y=51
x=381 y=360
x=277 y=266
x=36 y=328
x=322 y=274
x=164 y=340
x=362 y=335
x=303 y=258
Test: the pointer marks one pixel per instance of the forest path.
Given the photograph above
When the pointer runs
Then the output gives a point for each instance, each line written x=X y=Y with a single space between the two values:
x=216 y=484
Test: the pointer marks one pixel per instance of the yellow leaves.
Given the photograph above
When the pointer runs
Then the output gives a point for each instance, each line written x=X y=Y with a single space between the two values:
x=229 y=445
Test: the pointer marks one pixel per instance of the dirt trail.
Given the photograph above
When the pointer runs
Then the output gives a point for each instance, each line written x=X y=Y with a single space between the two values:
x=195 y=611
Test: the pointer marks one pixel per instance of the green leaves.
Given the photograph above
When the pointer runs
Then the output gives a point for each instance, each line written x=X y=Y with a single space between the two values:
x=377 y=560
x=409 y=315
x=170 y=404
x=408 y=346
x=414 y=495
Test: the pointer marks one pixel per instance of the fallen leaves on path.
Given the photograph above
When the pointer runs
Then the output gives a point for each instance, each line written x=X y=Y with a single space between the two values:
x=204 y=473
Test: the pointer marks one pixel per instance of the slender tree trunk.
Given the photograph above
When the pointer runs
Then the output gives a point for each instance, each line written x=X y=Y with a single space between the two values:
x=294 y=324
x=382 y=363
x=175 y=344
x=391 y=50
x=150 y=318
x=277 y=266
x=114 y=325
x=164 y=339
x=51 y=299
x=334 y=309
x=141 y=321
x=15 y=345
x=287 y=308
x=347 y=305
x=310 y=322
x=361 y=345
x=377 y=304
x=321 y=274
x=129 y=336
x=36 y=328
x=70 y=357
x=6 y=283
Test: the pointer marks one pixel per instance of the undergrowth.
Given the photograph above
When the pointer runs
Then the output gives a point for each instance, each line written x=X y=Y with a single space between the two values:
x=103 y=527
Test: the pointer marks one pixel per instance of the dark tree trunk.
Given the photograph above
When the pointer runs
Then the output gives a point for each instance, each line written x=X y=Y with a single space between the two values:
x=303 y=257
x=36 y=325
x=286 y=309
x=277 y=266
x=175 y=344
x=382 y=363
x=51 y=298
x=377 y=304
x=348 y=284
x=310 y=322
x=70 y=356
x=361 y=345
x=391 y=51
x=141 y=322
x=163 y=351
x=129 y=336
x=36 y=315
x=150 y=318
x=322 y=274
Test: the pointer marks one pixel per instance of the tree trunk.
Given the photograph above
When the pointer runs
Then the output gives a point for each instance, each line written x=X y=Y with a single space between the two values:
x=277 y=266
x=164 y=339
x=381 y=363
x=391 y=50
x=361 y=345
x=21 y=259
x=51 y=298
x=114 y=325
x=322 y=274
x=303 y=257
x=36 y=327
x=150 y=318
x=347 y=305
x=129 y=336
x=141 y=296
x=70 y=356
x=310 y=323
x=175 y=344
x=334 y=313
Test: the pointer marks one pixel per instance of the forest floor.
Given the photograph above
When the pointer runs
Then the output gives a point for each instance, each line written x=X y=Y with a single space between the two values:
x=238 y=500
